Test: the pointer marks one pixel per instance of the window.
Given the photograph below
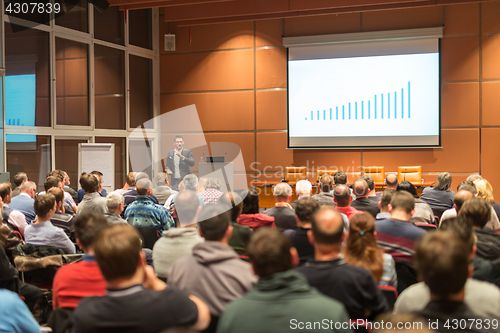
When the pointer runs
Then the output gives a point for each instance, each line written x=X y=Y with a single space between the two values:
x=140 y=32
x=120 y=154
x=141 y=156
x=109 y=26
x=66 y=154
x=74 y=15
x=141 y=91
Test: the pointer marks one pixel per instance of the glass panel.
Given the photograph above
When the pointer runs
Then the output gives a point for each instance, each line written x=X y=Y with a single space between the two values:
x=67 y=159
x=109 y=87
x=30 y=154
x=141 y=156
x=75 y=15
x=140 y=28
x=25 y=10
x=27 y=77
x=141 y=91
x=109 y=25
x=72 y=88
x=119 y=158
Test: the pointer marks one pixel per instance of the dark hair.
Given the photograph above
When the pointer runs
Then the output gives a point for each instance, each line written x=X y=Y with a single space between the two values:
x=386 y=198
x=467 y=186
x=87 y=225
x=462 y=227
x=5 y=190
x=19 y=178
x=408 y=187
x=369 y=181
x=178 y=137
x=57 y=192
x=214 y=221
x=444 y=182
x=342 y=194
x=89 y=182
x=461 y=197
x=388 y=182
x=43 y=204
x=50 y=182
x=442 y=260
x=269 y=252
x=478 y=210
x=360 y=187
x=306 y=208
x=326 y=182
x=340 y=177
x=186 y=204
x=327 y=237
x=233 y=202
x=250 y=203
x=404 y=201
x=97 y=173
x=59 y=174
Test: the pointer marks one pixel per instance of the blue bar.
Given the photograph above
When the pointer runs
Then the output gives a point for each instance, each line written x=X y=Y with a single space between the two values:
x=382 y=106
x=409 y=100
x=318 y=114
x=402 y=103
x=324 y=115
x=362 y=102
x=375 y=105
x=355 y=110
x=343 y=113
x=388 y=105
x=368 y=109
x=349 y=111
x=395 y=105
x=330 y=113
x=337 y=113
x=312 y=115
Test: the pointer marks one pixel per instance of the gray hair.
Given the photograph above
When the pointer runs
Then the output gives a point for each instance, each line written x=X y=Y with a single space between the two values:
x=161 y=179
x=444 y=182
x=303 y=187
x=213 y=183
x=113 y=200
x=282 y=190
x=144 y=183
x=27 y=186
x=190 y=182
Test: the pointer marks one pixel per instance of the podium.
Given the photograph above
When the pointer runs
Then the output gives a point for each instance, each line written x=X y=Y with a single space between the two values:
x=220 y=170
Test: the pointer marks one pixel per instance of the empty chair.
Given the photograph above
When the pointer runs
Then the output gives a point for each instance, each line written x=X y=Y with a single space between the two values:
x=376 y=172
x=294 y=174
x=413 y=174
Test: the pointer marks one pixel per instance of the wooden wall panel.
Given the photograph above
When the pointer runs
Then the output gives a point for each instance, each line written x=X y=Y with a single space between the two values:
x=271 y=110
x=491 y=104
x=490 y=64
x=490 y=158
x=322 y=24
x=460 y=104
x=490 y=12
x=460 y=58
x=403 y=19
x=272 y=154
x=271 y=68
x=269 y=33
x=461 y=19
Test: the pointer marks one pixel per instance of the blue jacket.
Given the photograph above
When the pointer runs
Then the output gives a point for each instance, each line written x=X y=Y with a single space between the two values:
x=24 y=204
x=144 y=212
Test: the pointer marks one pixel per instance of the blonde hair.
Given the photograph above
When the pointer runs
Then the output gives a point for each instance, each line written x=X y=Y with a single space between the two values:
x=484 y=190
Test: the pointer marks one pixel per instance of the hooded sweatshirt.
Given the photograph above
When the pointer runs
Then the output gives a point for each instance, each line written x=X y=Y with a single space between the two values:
x=214 y=273
x=175 y=243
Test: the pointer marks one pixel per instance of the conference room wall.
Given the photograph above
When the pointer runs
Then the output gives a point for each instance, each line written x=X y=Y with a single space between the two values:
x=235 y=73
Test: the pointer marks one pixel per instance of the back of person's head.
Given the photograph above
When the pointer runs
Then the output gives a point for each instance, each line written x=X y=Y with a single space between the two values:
x=473 y=178
x=117 y=251
x=59 y=174
x=326 y=182
x=327 y=226
x=408 y=187
x=27 y=186
x=303 y=187
x=391 y=180
x=87 y=225
x=305 y=209
x=403 y=201
x=98 y=174
x=140 y=175
x=250 y=202
x=360 y=188
x=201 y=184
x=5 y=190
x=161 y=179
x=282 y=190
x=442 y=260
x=50 y=182
x=190 y=182
x=143 y=186
x=340 y=178
x=214 y=183
x=58 y=193
x=214 y=221
x=386 y=199
x=130 y=180
x=89 y=182
x=233 y=203
x=444 y=181
x=43 y=204
x=369 y=180
x=342 y=195
x=462 y=227
x=461 y=197
x=113 y=200
x=269 y=252
x=478 y=210
x=186 y=206
x=19 y=178
x=484 y=190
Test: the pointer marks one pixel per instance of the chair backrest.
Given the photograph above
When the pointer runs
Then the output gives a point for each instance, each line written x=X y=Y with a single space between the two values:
x=331 y=172
x=294 y=174
x=426 y=227
x=149 y=236
x=390 y=294
x=376 y=172
x=413 y=174
x=407 y=274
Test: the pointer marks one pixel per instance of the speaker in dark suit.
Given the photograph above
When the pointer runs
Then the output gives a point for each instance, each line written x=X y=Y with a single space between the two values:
x=179 y=162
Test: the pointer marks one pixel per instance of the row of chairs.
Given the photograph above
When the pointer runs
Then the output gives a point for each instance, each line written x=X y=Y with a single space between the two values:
x=410 y=173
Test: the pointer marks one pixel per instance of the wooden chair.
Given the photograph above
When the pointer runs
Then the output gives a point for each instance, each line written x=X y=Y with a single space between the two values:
x=376 y=172
x=322 y=172
x=294 y=174
x=413 y=174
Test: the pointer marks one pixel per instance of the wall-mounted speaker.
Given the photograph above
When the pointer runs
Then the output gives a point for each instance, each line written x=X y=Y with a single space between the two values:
x=169 y=42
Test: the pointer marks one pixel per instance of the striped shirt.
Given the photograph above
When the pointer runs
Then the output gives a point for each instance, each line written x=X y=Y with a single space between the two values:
x=398 y=238
x=144 y=213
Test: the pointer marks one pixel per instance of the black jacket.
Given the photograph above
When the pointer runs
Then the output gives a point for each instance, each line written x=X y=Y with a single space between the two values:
x=184 y=165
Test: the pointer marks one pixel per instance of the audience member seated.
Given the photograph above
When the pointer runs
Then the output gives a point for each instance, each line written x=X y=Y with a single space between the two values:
x=92 y=201
x=324 y=197
x=136 y=300
x=340 y=178
x=484 y=270
x=102 y=192
x=69 y=190
x=361 y=250
x=131 y=194
x=442 y=260
x=306 y=208
x=303 y=189
x=213 y=272
x=19 y=179
x=397 y=235
x=144 y=212
x=162 y=191
x=423 y=212
x=69 y=203
x=282 y=299
x=250 y=215
x=283 y=213
x=485 y=191
x=372 y=195
x=488 y=242
x=54 y=182
x=189 y=183
x=241 y=233
x=343 y=199
x=391 y=181
x=201 y=184
x=24 y=201
x=332 y=276
x=439 y=196
x=129 y=183
x=61 y=219
x=16 y=317
x=178 y=242
x=385 y=200
x=212 y=191
x=115 y=204
x=84 y=278
x=362 y=202
x=10 y=216
x=41 y=231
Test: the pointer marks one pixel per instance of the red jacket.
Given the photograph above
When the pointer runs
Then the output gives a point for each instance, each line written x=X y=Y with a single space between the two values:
x=255 y=221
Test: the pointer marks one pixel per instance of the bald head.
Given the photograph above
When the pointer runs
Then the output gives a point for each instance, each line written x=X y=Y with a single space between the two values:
x=327 y=226
x=392 y=181
x=187 y=206
x=461 y=197
x=144 y=186
x=342 y=195
x=360 y=188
